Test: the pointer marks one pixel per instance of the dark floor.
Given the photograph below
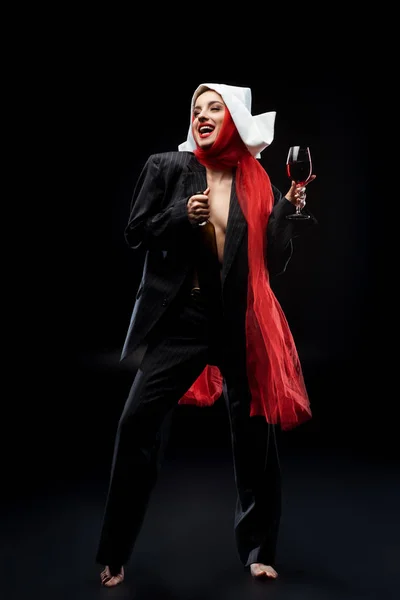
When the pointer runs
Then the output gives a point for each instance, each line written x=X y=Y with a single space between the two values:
x=340 y=528
x=340 y=534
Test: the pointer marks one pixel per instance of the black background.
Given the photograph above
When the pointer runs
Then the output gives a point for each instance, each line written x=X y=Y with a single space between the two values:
x=104 y=125
x=91 y=93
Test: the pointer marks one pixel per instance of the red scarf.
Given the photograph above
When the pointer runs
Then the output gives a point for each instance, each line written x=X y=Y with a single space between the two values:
x=274 y=372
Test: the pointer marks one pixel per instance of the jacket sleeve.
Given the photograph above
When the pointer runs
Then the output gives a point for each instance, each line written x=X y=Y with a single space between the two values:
x=156 y=215
x=281 y=232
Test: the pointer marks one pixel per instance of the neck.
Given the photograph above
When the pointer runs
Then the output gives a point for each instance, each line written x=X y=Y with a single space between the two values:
x=219 y=175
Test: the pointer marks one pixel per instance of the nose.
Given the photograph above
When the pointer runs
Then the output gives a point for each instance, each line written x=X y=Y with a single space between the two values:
x=202 y=116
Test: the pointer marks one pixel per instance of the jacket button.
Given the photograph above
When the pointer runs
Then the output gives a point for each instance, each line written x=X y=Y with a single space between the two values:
x=165 y=302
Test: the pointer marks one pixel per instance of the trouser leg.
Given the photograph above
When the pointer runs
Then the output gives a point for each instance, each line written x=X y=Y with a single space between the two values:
x=168 y=369
x=257 y=475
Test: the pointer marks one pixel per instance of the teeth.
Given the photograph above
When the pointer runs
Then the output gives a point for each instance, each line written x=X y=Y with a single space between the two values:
x=205 y=129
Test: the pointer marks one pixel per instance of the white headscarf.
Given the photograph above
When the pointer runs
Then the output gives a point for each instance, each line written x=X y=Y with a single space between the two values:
x=257 y=131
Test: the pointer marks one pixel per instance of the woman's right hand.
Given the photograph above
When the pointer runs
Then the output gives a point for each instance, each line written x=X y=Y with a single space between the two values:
x=198 y=207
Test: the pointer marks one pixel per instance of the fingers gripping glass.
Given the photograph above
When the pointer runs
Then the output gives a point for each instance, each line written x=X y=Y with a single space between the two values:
x=299 y=169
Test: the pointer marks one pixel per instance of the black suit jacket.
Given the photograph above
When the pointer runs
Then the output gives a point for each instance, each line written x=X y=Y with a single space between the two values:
x=159 y=230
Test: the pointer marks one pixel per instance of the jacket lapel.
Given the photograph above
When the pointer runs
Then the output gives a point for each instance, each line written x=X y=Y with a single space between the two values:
x=235 y=230
x=195 y=180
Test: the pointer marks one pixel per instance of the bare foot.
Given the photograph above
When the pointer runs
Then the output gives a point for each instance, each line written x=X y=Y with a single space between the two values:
x=260 y=571
x=109 y=580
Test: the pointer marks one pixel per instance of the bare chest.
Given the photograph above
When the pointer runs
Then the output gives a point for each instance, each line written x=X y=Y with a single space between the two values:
x=219 y=200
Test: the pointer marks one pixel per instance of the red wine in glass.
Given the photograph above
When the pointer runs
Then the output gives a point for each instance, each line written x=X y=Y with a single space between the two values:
x=299 y=169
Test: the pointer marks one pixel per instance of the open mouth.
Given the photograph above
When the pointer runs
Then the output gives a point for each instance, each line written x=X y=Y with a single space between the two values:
x=205 y=131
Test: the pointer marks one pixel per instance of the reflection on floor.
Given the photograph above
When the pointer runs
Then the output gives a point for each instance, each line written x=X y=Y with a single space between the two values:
x=340 y=534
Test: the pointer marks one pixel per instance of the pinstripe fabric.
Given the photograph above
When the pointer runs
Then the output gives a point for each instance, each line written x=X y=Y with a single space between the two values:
x=235 y=230
x=180 y=341
x=179 y=348
x=159 y=230
x=169 y=257
x=176 y=355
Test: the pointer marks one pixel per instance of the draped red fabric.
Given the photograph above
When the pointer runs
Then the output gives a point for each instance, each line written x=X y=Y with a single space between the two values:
x=274 y=371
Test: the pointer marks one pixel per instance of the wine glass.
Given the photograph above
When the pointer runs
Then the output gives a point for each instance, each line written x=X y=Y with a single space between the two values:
x=299 y=169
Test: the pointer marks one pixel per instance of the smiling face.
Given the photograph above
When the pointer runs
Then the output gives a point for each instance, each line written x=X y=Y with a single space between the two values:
x=208 y=115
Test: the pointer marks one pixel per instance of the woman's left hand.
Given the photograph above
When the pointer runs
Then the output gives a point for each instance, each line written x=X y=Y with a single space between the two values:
x=297 y=194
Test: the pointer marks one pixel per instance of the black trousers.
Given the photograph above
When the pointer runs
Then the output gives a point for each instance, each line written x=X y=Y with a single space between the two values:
x=183 y=343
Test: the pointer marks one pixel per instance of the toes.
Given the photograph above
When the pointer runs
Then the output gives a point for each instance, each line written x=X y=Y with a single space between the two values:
x=113 y=581
x=109 y=580
x=260 y=571
x=105 y=575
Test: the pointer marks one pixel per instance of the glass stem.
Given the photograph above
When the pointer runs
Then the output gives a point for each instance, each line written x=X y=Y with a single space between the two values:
x=302 y=196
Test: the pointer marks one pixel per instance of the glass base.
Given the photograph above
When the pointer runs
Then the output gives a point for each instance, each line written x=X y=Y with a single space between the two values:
x=298 y=216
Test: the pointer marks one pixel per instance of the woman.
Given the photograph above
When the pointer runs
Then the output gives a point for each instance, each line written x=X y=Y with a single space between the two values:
x=213 y=231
